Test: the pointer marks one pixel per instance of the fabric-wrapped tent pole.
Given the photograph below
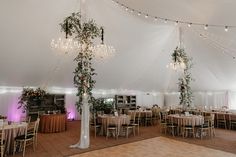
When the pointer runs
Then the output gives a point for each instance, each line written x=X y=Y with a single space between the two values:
x=84 y=71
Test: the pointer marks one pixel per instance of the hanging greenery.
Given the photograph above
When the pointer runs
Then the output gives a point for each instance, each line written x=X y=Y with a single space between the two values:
x=186 y=95
x=179 y=56
x=84 y=33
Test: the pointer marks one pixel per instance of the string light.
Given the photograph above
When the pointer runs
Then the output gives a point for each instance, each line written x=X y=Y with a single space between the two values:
x=176 y=23
x=226 y=28
x=216 y=42
x=155 y=18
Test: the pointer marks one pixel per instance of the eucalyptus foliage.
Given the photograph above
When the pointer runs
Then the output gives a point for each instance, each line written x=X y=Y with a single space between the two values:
x=84 y=33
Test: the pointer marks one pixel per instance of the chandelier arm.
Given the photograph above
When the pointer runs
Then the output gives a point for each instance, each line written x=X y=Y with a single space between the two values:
x=102 y=36
x=67 y=28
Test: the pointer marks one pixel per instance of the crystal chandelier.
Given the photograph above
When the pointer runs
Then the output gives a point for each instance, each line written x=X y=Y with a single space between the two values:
x=65 y=44
x=178 y=56
x=103 y=51
x=177 y=63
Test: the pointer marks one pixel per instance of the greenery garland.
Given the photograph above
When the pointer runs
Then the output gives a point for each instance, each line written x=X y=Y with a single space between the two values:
x=84 y=32
x=186 y=95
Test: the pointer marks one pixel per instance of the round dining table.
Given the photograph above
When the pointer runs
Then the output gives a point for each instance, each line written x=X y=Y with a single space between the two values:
x=111 y=119
x=10 y=132
x=190 y=120
x=52 y=123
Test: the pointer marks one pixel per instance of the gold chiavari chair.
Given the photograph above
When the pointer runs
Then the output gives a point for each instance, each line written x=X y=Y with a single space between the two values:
x=112 y=126
x=232 y=121
x=2 y=142
x=221 y=120
x=27 y=139
x=94 y=124
x=206 y=126
x=163 y=121
x=129 y=126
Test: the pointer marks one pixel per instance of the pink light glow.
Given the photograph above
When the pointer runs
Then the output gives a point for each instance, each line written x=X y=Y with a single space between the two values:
x=14 y=114
x=71 y=112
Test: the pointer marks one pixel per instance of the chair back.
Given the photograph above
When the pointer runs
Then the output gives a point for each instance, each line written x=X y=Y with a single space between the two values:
x=207 y=121
x=232 y=117
x=113 y=121
x=31 y=128
x=155 y=112
x=148 y=114
x=132 y=116
x=26 y=119
x=212 y=122
x=220 y=116
x=37 y=125
x=170 y=120
x=137 y=117
x=163 y=117
x=2 y=135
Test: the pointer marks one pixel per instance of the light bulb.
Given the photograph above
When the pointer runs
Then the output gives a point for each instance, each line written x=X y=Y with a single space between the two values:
x=146 y=16
x=226 y=28
x=189 y=25
x=206 y=27
x=126 y=8
x=176 y=23
x=165 y=20
x=155 y=19
x=139 y=13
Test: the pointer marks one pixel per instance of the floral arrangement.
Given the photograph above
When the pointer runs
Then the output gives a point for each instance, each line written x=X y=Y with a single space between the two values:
x=29 y=96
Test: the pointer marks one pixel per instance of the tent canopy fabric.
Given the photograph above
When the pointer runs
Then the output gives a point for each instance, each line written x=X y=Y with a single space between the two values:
x=143 y=47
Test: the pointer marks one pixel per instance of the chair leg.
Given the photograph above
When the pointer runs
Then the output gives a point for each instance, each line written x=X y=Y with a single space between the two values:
x=95 y=132
x=107 y=134
x=2 y=151
x=36 y=140
x=134 y=128
x=138 y=129
x=24 y=148
x=116 y=133
x=14 y=148
x=193 y=132
x=33 y=144
x=201 y=134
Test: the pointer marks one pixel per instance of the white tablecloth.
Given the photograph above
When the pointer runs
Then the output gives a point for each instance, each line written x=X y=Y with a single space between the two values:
x=11 y=131
x=122 y=119
x=191 y=120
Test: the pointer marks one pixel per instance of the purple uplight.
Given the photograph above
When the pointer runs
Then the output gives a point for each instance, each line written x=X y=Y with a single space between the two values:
x=14 y=114
x=71 y=112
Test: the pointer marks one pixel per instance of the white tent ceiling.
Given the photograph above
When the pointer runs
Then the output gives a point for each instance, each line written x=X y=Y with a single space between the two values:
x=143 y=46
